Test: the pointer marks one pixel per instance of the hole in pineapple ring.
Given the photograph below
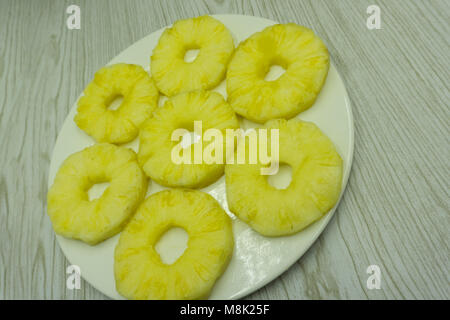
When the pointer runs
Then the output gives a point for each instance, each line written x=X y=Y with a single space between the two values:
x=191 y=55
x=97 y=190
x=275 y=71
x=114 y=102
x=162 y=100
x=282 y=179
x=172 y=244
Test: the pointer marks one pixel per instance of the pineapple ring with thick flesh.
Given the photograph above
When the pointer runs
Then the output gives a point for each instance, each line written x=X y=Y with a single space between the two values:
x=295 y=48
x=140 y=98
x=69 y=208
x=156 y=144
x=138 y=269
x=313 y=191
x=173 y=74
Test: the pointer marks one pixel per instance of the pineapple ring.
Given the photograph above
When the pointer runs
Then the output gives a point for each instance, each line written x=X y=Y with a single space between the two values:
x=69 y=208
x=295 y=48
x=156 y=145
x=138 y=268
x=140 y=98
x=313 y=191
x=173 y=74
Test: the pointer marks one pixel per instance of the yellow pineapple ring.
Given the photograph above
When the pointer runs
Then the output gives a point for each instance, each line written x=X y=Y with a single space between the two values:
x=68 y=205
x=313 y=191
x=173 y=74
x=180 y=111
x=140 y=98
x=295 y=48
x=138 y=269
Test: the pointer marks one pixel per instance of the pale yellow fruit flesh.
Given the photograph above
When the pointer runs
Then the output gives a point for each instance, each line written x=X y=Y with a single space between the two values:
x=313 y=191
x=295 y=48
x=173 y=74
x=140 y=98
x=156 y=145
x=69 y=208
x=138 y=268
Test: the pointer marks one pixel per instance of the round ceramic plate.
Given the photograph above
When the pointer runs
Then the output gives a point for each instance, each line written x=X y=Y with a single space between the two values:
x=256 y=259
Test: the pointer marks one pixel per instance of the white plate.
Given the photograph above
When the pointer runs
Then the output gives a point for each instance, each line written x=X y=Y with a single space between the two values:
x=256 y=259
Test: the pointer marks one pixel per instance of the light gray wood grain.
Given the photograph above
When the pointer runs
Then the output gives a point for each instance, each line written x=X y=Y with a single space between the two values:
x=395 y=211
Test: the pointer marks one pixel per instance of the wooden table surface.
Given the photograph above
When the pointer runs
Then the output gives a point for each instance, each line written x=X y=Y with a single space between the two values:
x=395 y=211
